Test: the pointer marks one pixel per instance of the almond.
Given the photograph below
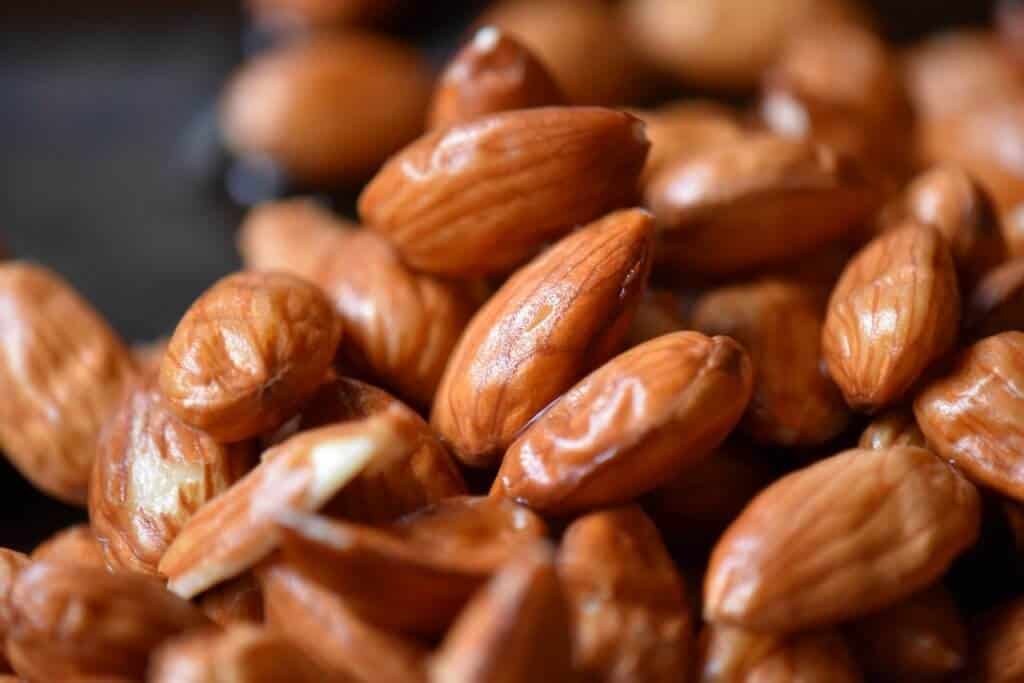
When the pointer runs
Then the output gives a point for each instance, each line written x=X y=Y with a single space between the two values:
x=842 y=538
x=74 y=545
x=630 y=425
x=895 y=310
x=11 y=564
x=732 y=655
x=303 y=14
x=247 y=353
x=148 y=355
x=997 y=304
x=482 y=197
x=238 y=601
x=659 y=312
x=1010 y=24
x=59 y=387
x=549 y=324
x=896 y=427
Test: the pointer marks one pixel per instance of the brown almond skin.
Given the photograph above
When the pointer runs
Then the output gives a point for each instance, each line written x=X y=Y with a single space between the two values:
x=896 y=427
x=997 y=646
x=400 y=326
x=152 y=472
x=997 y=304
x=894 y=311
x=630 y=425
x=76 y=545
x=842 y=538
x=482 y=197
x=239 y=601
x=247 y=353
x=972 y=415
x=494 y=72
x=59 y=387
x=779 y=323
x=757 y=201
x=549 y=324
x=313 y=107
x=629 y=606
x=70 y=620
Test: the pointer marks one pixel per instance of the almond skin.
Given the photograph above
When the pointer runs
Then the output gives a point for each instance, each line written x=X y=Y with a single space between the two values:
x=247 y=353
x=59 y=387
x=972 y=416
x=549 y=324
x=660 y=312
x=482 y=197
x=732 y=655
x=842 y=538
x=895 y=310
x=997 y=303
x=74 y=545
x=630 y=425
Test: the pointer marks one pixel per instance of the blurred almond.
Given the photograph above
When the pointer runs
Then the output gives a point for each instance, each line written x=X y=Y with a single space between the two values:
x=290 y=15
x=148 y=355
x=74 y=545
x=998 y=644
x=239 y=600
x=660 y=312
x=630 y=425
x=997 y=303
x=1010 y=24
x=549 y=324
x=62 y=372
x=732 y=655
x=896 y=427
x=845 y=537
x=483 y=197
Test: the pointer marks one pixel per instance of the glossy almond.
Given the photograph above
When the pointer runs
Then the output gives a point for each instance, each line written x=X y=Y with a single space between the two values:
x=630 y=425
x=997 y=303
x=998 y=644
x=75 y=621
x=549 y=324
x=238 y=601
x=237 y=529
x=483 y=197
x=895 y=310
x=74 y=545
x=247 y=353
x=494 y=72
x=779 y=323
x=896 y=427
x=973 y=415
x=732 y=655
x=842 y=538
x=62 y=371
x=629 y=607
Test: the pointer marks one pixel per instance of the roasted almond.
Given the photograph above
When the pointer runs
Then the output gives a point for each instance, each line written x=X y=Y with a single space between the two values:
x=732 y=655
x=845 y=537
x=482 y=197
x=550 y=323
x=895 y=310
x=238 y=601
x=62 y=371
x=896 y=427
x=74 y=545
x=997 y=303
x=630 y=425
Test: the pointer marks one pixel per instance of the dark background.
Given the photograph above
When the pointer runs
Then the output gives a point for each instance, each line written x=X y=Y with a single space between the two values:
x=109 y=172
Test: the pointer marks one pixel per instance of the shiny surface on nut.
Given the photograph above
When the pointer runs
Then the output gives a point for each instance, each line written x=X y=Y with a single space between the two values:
x=732 y=655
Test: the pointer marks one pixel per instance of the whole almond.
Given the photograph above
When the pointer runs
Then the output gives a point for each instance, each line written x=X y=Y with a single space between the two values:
x=779 y=323
x=550 y=323
x=997 y=303
x=631 y=618
x=972 y=416
x=482 y=197
x=238 y=601
x=494 y=72
x=998 y=645
x=74 y=545
x=895 y=310
x=732 y=655
x=630 y=425
x=247 y=353
x=842 y=538
x=896 y=427
x=62 y=371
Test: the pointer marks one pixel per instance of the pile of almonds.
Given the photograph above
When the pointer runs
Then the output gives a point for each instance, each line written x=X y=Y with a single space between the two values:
x=588 y=395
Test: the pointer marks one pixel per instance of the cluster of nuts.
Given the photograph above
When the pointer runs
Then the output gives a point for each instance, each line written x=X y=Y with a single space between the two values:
x=591 y=395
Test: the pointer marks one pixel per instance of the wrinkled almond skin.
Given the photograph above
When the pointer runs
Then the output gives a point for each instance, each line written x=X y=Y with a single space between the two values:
x=757 y=201
x=238 y=601
x=11 y=564
x=630 y=425
x=549 y=324
x=973 y=415
x=894 y=311
x=247 y=353
x=152 y=472
x=313 y=107
x=630 y=614
x=62 y=372
x=842 y=538
x=896 y=427
x=494 y=72
x=74 y=545
x=482 y=197
x=732 y=655
x=400 y=326
x=997 y=304
x=779 y=323
x=998 y=644
x=70 y=620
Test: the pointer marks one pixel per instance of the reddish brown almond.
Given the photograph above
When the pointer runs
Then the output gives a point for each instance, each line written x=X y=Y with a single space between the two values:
x=630 y=425
x=732 y=655
x=631 y=618
x=247 y=353
x=842 y=538
x=997 y=303
x=11 y=564
x=550 y=323
x=779 y=323
x=972 y=416
x=659 y=312
x=684 y=129
x=896 y=427
x=62 y=372
x=483 y=197
x=491 y=74
x=239 y=601
x=74 y=545
x=895 y=309
x=998 y=644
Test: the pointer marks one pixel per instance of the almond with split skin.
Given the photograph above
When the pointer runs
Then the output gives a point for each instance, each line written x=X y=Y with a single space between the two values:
x=733 y=655
x=62 y=370
x=482 y=197
x=842 y=538
x=630 y=425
